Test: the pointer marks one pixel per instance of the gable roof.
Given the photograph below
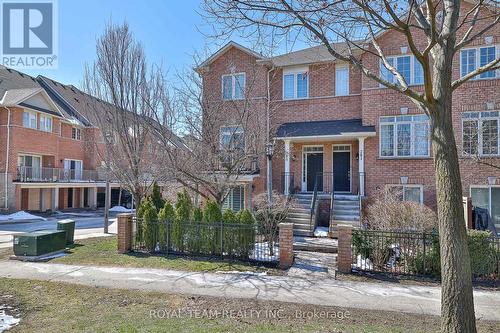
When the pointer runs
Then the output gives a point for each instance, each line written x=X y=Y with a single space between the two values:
x=223 y=50
x=311 y=55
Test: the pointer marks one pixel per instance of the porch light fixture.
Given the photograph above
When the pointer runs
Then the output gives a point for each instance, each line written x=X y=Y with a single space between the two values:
x=492 y=180
x=357 y=156
x=269 y=149
x=403 y=180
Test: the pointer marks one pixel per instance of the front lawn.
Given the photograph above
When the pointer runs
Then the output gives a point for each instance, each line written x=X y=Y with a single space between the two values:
x=60 y=307
x=102 y=252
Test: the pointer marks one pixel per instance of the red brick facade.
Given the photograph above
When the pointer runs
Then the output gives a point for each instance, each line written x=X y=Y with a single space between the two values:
x=366 y=101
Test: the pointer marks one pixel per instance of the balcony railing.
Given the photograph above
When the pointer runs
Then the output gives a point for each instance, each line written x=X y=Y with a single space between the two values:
x=53 y=175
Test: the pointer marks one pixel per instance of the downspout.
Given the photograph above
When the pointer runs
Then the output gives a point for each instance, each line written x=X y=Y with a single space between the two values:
x=269 y=103
x=7 y=160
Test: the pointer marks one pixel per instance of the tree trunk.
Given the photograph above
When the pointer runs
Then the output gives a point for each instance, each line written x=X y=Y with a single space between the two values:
x=457 y=304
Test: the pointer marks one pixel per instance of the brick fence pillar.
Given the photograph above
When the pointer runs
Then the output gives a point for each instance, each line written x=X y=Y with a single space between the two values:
x=344 y=261
x=286 y=244
x=124 y=234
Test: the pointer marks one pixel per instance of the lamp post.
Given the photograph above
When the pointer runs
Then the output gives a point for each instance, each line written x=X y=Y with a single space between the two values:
x=269 y=154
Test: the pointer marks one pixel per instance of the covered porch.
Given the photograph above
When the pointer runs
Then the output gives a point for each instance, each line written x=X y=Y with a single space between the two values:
x=324 y=156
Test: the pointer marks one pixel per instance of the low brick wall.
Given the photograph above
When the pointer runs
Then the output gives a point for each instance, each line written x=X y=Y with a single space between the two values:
x=124 y=232
x=286 y=244
x=344 y=259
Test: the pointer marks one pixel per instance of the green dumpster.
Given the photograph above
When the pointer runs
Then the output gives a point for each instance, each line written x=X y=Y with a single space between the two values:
x=69 y=227
x=41 y=242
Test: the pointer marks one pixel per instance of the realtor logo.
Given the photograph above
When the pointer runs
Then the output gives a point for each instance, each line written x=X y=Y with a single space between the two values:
x=29 y=34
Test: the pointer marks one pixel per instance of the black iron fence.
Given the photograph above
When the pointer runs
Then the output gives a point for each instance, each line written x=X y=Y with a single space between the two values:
x=222 y=240
x=416 y=253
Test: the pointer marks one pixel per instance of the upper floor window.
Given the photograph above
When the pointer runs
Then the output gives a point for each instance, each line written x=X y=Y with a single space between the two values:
x=341 y=80
x=408 y=66
x=45 y=123
x=76 y=133
x=29 y=119
x=233 y=86
x=473 y=58
x=232 y=145
x=404 y=136
x=232 y=138
x=295 y=84
x=481 y=132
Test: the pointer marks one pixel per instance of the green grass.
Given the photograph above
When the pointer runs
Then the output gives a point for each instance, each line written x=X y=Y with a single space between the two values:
x=60 y=307
x=103 y=252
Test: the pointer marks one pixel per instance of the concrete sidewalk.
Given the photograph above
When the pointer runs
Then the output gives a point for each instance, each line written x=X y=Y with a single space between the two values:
x=320 y=291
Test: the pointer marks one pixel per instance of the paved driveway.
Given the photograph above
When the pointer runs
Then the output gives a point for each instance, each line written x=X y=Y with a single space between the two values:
x=88 y=224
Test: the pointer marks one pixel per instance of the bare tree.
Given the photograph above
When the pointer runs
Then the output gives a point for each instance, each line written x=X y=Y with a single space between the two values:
x=128 y=95
x=481 y=140
x=225 y=138
x=434 y=32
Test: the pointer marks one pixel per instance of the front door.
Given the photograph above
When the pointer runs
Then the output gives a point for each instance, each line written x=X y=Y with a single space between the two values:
x=70 y=197
x=341 y=171
x=314 y=168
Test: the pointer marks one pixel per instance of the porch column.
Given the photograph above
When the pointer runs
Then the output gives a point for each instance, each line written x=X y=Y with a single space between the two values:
x=94 y=198
x=361 y=161
x=287 y=167
x=55 y=199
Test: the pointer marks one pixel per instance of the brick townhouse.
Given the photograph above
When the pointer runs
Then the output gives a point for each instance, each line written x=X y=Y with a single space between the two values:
x=336 y=126
x=51 y=150
x=48 y=157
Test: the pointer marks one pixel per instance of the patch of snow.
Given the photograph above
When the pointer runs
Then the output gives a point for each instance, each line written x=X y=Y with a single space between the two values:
x=243 y=273
x=321 y=232
x=20 y=216
x=261 y=252
x=7 y=321
x=121 y=209
x=363 y=263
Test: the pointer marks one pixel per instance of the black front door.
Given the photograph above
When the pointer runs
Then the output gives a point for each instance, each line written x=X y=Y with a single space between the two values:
x=341 y=166
x=70 y=197
x=314 y=168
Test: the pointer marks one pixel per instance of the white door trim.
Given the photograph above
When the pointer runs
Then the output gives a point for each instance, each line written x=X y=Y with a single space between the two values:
x=350 y=162
x=303 y=178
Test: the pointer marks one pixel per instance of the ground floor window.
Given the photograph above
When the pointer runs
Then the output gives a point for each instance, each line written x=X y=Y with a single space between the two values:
x=487 y=197
x=408 y=192
x=234 y=200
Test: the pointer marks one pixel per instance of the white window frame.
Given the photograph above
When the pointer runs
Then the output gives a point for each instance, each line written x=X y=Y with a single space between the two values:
x=233 y=86
x=342 y=67
x=412 y=123
x=404 y=186
x=44 y=123
x=478 y=61
x=229 y=201
x=76 y=177
x=21 y=156
x=413 y=62
x=490 y=196
x=234 y=130
x=481 y=116
x=31 y=115
x=295 y=72
x=78 y=133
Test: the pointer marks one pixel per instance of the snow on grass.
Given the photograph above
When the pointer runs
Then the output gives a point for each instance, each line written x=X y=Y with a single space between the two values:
x=261 y=252
x=321 y=232
x=20 y=216
x=121 y=209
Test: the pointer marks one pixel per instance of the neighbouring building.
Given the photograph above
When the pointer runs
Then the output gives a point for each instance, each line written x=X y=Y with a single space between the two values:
x=49 y=142
x=341 y=131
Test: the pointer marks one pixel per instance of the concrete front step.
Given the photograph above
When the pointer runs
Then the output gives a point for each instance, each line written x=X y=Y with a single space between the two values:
x=346 y=217
x=297 y=226
x=294 y=215
x=346 y=211
x=303 y=233
x=313 y=244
